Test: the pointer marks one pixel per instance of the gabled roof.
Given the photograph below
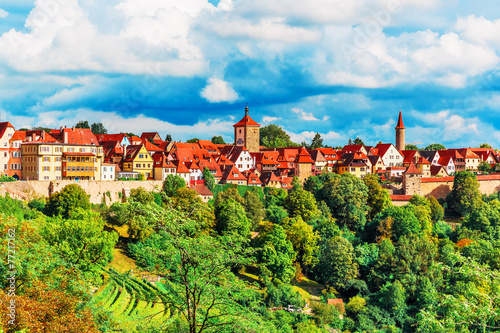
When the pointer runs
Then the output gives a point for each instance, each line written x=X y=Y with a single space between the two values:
x=252 y=177
x=445 y=160
x=436 y=169
x=303 y=157
x=268 y=176
x=412 y=170
x=161 y=161
x=429 y=155
x=352 y=148
x=3 y=127
x=400 y=121
x=408 y=155
x=317 y=155
x=233 y=173
x=150 y=136
x=211 y=166
x=150 y=147
x=18 y=135
x=422 y=160
x=383 y=148
x=80 y=136
x=181 y=168
x=202 y=190
x=111 y=137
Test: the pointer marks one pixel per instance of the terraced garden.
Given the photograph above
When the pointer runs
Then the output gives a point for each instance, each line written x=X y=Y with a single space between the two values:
x=133 y=303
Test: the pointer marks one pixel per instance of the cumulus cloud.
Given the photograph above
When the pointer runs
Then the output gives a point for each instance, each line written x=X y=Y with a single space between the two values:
x=3 y=13
x=330 y=137
x=267 y=119
x=218 y=90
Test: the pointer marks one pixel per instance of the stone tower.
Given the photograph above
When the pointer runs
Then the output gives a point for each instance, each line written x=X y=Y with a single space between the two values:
x=303 y=165
x=247 y=133
x=400 y=133
x=412 y=180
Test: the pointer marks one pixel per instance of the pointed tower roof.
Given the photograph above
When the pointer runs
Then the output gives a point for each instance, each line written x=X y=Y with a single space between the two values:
x=303 y=157
x=400 y=121
x=246 y=121
x=412 y=169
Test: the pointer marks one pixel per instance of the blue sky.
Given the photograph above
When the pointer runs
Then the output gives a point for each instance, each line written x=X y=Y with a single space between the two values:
x=187 y=67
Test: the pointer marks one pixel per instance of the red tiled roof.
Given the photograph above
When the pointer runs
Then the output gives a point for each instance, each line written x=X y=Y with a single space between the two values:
x=383 y=148
x=80 y=136
x=400 y=121
x=18 y=135
x=412 y=169
x=3 y=127
x=111 y=137
x=202 y=190
x=150 y=147
x=181 y=168
x=303 y=157
x=246 y=121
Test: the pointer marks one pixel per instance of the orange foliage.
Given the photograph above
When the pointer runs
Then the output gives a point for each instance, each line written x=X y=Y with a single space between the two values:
x=42 y=310
x=385 y=229
x=464 y=242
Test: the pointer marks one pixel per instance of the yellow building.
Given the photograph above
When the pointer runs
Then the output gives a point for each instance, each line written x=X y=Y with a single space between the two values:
x=45 y=158
x=137 y=159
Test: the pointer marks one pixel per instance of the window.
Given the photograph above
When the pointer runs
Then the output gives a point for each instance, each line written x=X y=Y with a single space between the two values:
x=5 y=144
x=58 y=149
x=5 y=166
x=137 y=165
x=58 y=159
x=353 y=169
x=58 y=168
x=45 y=177
x=5 y=154
x=82 y=150
x=46 y=159
x=104 y=176
x=46 y=168
x=58 y=177
x=104 y=169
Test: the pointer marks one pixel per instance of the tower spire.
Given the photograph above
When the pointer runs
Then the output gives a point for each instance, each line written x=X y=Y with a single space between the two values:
x=400 y=121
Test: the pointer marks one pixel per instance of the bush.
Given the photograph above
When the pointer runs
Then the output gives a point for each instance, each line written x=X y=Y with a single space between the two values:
x=283 y=295
x=326 y=314
x=7 y=179
x=38 y=204
x=63 y=203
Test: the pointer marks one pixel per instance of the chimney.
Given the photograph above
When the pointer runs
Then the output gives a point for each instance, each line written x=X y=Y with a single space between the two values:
x=43 y=135
x=33 y=136
x=73 y=128
x=65 y=137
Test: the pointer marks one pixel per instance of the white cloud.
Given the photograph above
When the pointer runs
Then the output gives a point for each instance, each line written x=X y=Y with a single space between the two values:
x=267 y=119
x=325 y=118
x=305 y=115
x=331 y=137
x=218 y=90
x=3 y=13
x=115 y=123
x=308 y=116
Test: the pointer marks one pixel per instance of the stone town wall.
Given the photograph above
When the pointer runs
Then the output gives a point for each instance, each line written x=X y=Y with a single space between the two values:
x=96 y=189
x=439 y=187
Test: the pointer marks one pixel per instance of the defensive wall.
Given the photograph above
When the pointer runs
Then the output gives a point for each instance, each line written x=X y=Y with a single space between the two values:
x=439 y=187
x=109 y=191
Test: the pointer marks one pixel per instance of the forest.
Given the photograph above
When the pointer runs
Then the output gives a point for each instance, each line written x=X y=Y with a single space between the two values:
x=330 y=255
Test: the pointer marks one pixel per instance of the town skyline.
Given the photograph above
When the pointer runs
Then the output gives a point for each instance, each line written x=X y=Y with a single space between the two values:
x=190 y=67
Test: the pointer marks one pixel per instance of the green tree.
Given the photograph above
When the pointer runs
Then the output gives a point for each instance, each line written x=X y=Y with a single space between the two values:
x=392 y=297
x=358 y=141
x=193 y=140
x=231 y=218
x=168 y=138
x=276 y=214
x=82 y=124
x=230 y=193
x=63 y=203
x=141 y=195
x=301 y=203
x=304 y=241
x=434 y=146
x=218 y=140
x=465 y=195
x=336 y=263
x=253 y=207
x=484 y=167
x=199 y=281
x=437 y=211
x=378 y=197
x=209 y=179
x=346 y=196
x=81 y=240
x=276 y=255
x=485 y=218
x=317 y=142
x=485 y=145
x=273 y=136
x=98 y=128
x=172 y=183
x=411 y=147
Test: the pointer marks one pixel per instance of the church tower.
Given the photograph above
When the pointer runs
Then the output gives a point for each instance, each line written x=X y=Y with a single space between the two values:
x=247 y=133
x=400 y=133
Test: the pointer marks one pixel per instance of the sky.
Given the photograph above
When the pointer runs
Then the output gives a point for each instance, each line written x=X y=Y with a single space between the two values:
x=187 y=68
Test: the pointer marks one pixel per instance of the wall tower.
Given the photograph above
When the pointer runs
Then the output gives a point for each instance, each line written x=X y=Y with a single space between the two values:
x=400 y=133
x=247 y=133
